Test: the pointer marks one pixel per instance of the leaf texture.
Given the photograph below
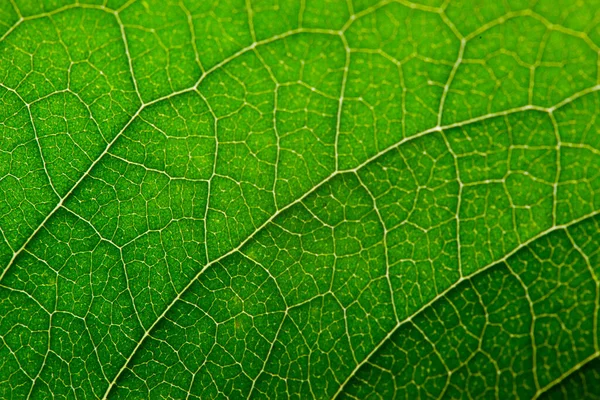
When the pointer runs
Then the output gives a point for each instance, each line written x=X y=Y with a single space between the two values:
x=299 y=199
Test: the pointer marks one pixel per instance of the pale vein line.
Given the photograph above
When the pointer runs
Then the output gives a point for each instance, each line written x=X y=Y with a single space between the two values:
x=291 y=204
x=65 y=197
x=338 y=122
x=37 y=138
x=566 y=374
x=138 y=112
x=203 y=76
x=453 y=286
x=297 y=201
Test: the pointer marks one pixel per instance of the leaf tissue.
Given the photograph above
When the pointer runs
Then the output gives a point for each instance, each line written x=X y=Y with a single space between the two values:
x=352 y=199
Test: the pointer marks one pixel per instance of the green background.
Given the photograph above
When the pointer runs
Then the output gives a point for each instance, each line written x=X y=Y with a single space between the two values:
x=299 y=198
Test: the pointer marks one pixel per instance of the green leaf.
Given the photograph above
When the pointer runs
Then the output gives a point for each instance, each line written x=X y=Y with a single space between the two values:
x=299 y=198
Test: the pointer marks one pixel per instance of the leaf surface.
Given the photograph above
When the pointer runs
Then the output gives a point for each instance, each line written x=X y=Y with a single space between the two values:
x=305 y=199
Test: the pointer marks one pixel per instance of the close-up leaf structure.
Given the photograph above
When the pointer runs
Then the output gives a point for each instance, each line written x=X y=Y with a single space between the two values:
x=306 y=199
